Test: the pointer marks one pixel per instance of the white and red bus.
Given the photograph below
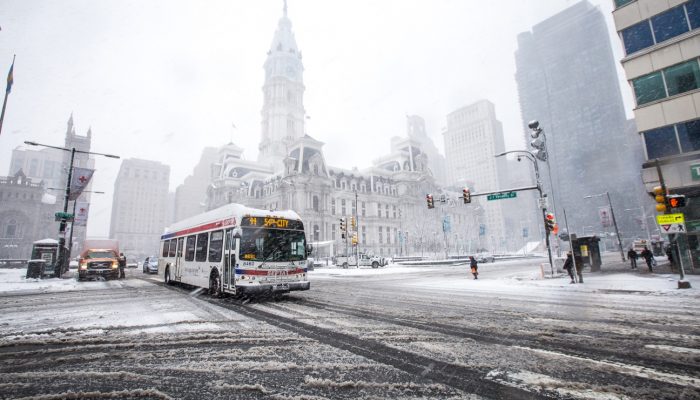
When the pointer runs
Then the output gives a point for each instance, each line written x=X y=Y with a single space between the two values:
x=238 y=250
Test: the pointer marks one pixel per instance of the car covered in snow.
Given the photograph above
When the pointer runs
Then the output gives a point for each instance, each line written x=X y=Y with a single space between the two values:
x=150 y=265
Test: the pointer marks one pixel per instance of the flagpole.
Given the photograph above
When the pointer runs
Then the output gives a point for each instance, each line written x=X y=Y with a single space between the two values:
x=10 y=79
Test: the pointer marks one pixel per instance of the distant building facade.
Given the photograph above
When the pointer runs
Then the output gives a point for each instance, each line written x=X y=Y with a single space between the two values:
x=573 y=91
x=662 y=45
x=50 y=168
x=388 y=198
x=190 y=196
x=139 y=210
x=26 y=215
x=472 y=140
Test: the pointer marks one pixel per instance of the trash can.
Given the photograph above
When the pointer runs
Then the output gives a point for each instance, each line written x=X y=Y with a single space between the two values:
x=35 y=269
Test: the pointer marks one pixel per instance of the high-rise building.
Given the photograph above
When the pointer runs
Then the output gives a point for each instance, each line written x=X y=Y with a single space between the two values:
x=139 y=206
x=472 y=140
x=567 y=80
x=662 y=45
x=191 y=195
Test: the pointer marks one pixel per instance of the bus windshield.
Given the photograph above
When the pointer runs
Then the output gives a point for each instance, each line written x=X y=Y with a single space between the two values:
x=261 y=244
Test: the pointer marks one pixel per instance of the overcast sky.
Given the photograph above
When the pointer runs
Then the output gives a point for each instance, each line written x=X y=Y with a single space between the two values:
x=160 y=80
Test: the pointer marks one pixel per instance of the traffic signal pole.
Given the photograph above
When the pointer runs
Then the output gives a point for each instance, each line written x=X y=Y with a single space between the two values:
x=684 y=285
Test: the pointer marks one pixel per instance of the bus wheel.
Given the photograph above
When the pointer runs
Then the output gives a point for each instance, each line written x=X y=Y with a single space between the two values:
x=215 y=284
x=166 y=276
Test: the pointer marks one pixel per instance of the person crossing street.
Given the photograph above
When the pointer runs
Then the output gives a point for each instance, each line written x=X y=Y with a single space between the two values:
x=632 y=255
x=474 y=267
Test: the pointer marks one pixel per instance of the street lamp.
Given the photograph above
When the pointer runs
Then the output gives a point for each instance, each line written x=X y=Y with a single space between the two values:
x=62 y=264
x=532 y=157
x=612 y=214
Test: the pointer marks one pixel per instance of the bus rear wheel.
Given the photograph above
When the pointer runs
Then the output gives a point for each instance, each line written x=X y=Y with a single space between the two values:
x=215 y=284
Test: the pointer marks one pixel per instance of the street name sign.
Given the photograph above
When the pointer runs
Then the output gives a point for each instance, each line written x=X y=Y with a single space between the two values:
x=504 y=195
x=63 y=215
x=668 y=219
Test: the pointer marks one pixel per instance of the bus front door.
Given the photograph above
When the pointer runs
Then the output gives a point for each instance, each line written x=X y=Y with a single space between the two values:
x=178 y=258
x=229 y=260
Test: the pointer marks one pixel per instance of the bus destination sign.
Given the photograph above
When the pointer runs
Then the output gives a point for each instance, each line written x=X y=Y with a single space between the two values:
x=271 y=222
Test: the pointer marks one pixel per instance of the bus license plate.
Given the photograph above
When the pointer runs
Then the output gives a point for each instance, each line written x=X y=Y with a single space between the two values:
x=280 y=286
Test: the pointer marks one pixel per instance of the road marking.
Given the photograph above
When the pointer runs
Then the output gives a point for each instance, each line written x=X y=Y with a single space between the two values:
x=674 y=349
x=629 y=369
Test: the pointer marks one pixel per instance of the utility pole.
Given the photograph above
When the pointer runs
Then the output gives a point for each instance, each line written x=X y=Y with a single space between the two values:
x=356 y=239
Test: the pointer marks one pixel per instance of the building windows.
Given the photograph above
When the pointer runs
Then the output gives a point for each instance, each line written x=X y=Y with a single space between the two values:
x=364 y=234
x=689 y=136
x=667 y=82
x=661 y=27
x=332 y=206
x=672 y=139
x=342 y=206
x=381 y=238
x=11 y=229
x=379 y=210
x=364 y=209
x=387 y=210
x=315 y=203
x=333 y=232
x=682 y=78
x=620 y=3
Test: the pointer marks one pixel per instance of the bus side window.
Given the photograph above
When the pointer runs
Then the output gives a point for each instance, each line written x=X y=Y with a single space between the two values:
x=201 y=250
x=171 y=248
x=216 y=242
x=189 y=248
x=164 y=252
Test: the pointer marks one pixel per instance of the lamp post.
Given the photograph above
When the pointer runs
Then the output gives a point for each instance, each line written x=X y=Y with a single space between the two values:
x=612 y=214
x=530 y=156
x=62 y=264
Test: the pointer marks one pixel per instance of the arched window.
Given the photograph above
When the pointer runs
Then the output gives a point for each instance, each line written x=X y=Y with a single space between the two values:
x=315 y=203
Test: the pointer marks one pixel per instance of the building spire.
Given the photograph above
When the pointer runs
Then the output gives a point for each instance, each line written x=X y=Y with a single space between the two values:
x=285 y=8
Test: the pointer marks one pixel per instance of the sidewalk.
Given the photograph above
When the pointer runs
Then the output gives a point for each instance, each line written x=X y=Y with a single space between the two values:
x=616 y=276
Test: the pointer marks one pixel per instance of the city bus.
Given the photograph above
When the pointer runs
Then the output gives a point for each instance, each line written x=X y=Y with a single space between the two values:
x=237 y=250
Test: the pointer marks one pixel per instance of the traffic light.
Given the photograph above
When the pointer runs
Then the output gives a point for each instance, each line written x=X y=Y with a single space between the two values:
x=343 y=228
x=354 y=239
x=429 y=198
x=549 y=222
x=353 y=223
x=466 y=196
x=676 y=201
x=660 y=197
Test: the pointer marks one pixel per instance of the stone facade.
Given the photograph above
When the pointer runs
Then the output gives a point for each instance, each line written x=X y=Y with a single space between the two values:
x=26 y=215
x=388 y=198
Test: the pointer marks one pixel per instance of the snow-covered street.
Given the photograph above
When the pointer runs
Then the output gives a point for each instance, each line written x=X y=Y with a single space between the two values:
x=396 y=332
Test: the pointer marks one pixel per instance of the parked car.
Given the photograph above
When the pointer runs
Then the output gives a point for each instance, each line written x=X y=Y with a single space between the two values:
x=132 y=264
x=150 y=265
x=485 y=258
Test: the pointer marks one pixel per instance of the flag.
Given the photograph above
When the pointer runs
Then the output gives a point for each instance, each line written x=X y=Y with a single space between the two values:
x=81 y=213
x=10 y=77
x=605 y=216
x=79 y=181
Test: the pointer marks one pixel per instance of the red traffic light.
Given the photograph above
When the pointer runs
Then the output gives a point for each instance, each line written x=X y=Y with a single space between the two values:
x=466 y=196
x=676 y=201
x=429 y=199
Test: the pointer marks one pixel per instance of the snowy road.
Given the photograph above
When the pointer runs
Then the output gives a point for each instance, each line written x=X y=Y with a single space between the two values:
x=396 y=332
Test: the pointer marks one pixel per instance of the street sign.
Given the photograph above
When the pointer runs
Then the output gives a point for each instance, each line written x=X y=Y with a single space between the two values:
x=673 y=228
x=542 y=202
x=504 y=195
x=668 y=219
x=63 y=215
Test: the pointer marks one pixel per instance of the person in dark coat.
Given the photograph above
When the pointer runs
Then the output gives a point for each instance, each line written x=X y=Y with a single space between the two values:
x=669 y=255
x=569 y=266
x=474 y=266
x=648 y=257
x=122 y=265
x=632 y=255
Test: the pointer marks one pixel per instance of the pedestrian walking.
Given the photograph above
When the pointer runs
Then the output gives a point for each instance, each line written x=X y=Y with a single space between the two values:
x=648 y=257
x=474 y=266
x=569 y=266
x=632 y=255
x=122 y=265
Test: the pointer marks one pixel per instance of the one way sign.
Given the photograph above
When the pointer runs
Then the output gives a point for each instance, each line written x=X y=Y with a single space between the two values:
x=673 y=228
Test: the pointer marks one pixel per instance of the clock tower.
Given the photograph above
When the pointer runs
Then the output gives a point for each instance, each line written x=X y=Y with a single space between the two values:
x=283 y=96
